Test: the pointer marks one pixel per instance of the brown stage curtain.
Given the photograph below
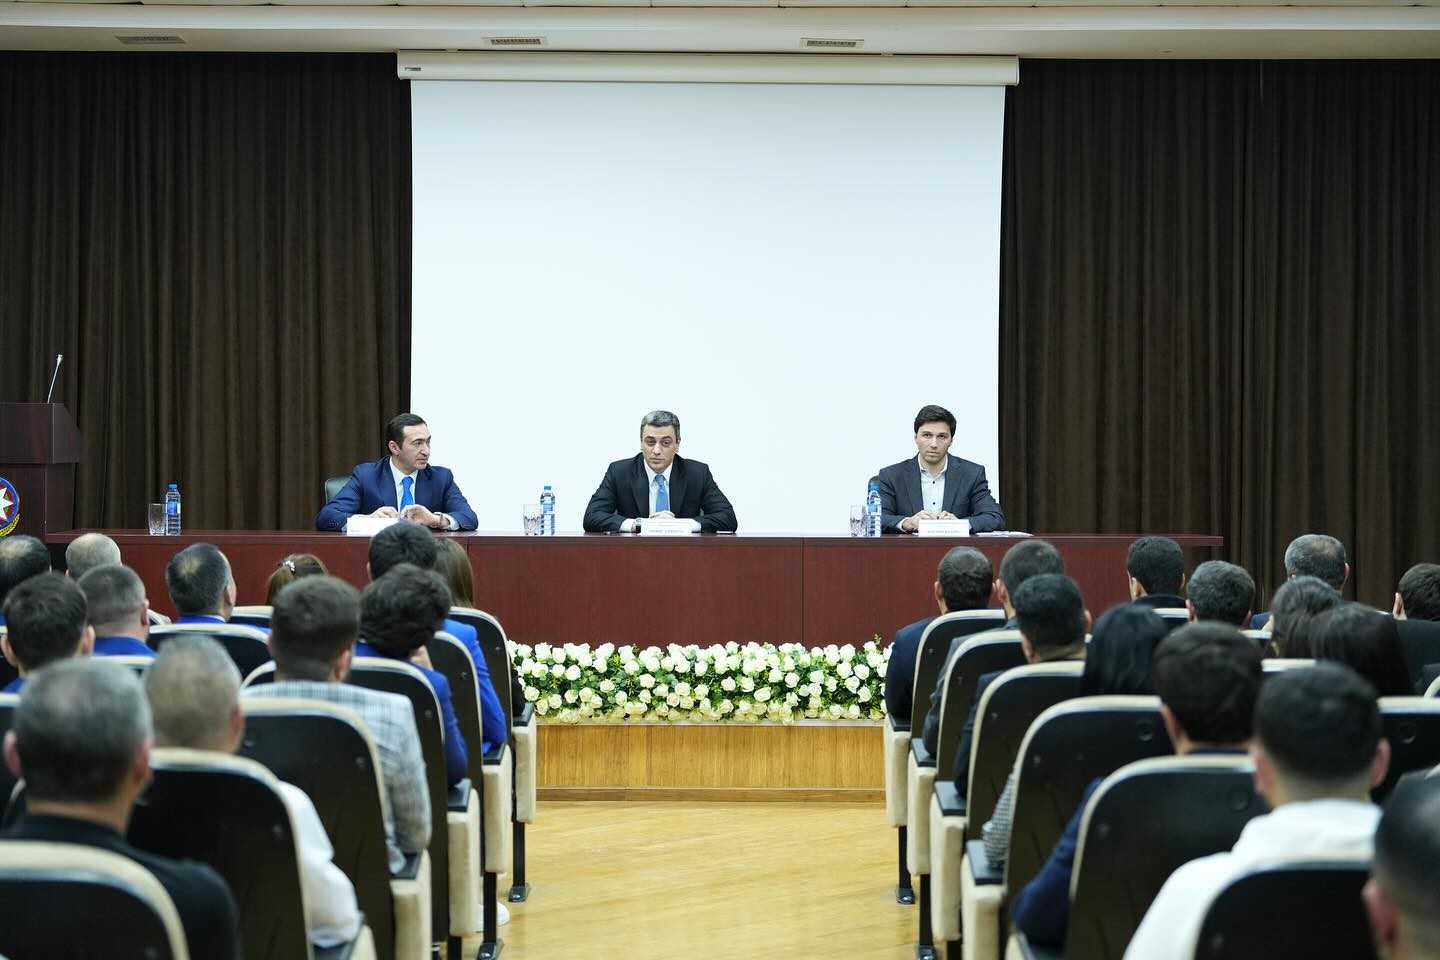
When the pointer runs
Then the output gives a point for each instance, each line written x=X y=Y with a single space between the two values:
x=1220 y=306
x=220 y=246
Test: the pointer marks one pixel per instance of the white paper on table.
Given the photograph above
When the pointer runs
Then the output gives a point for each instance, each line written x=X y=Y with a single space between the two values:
x=361 y=525
x=666 y=527
x=944 y=528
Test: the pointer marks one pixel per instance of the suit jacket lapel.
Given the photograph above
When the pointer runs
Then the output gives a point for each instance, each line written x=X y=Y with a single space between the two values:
x=422 y=483
x=954 y=480
x=677 y=485
x=640 y=486
x=389 y=495
x=917 y=492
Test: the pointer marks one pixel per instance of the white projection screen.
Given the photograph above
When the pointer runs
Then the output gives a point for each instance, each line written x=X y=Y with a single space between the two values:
x=793 y=269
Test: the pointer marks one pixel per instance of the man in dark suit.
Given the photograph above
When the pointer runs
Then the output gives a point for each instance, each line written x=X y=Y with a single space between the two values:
x=656 y=484
x=935 y=485
x=48 y=620
x=1156 y=568
x=402 y=484
x=81 y=741
x=1312 y=555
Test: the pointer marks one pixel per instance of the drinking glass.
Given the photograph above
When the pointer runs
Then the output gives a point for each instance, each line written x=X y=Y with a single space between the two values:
x=530 y=515
x=857 y=520
x=155 y=517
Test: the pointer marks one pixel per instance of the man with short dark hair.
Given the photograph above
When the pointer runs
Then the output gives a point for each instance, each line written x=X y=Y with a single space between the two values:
x=81 y=742
x=21 y=557
x=962 y=582
x=88 y=551
x=1220 y=591
x=46 y=619
x=658 y=484
x=201 y=584
x=935 y=485
x=1403 y=895
x=194 y=693
x=313 y=628
x=1418 y=595
x=1028 y=558
x=1318 y=751
x=401 y=484
x=1051 y=616
x=408 y=543
x=119 y=611
x=1156 y=568
x=1208 y=677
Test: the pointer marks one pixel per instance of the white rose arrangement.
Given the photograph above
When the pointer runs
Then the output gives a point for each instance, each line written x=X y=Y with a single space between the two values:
x=731 y=683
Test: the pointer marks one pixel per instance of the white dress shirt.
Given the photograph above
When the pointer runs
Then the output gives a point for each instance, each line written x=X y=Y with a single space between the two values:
x=932 y=489
x=398 y=476
x=330 y=908
x=630 y=526
x=1333 y=829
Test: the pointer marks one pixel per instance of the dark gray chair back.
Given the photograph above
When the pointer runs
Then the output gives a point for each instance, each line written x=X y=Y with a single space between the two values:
x=449 y=657
x=1421 y=640
x=1412 y=725
x=492 y=640
x=246 y=645
x=934 y=648
x=1292 y=912
x=333 y=486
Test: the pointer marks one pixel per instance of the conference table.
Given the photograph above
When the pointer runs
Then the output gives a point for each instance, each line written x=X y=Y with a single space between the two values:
x=707 y=589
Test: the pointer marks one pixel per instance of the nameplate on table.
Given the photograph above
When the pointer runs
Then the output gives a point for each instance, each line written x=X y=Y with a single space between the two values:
x=363 y=526
x=944 y=528
x=665 y=528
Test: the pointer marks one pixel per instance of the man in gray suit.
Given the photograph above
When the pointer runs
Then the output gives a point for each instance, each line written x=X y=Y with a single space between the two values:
x=935 y=485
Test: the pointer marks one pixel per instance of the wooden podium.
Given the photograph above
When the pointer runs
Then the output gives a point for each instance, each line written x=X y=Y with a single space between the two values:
x=39 y=447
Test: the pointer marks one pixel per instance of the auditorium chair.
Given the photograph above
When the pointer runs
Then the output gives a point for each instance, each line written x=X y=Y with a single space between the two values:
x=1412 y=725
x=157 y=619
x=450 y=657
x=1174 y=617
x=248 y=647
x=1007 y=708
x=257 y=617
x=930 y=657
x=68 y=900
x=136 y=663
x=1067 y=746
x=454 y=811
x=1147 y=819
x=1421 y=642
x=228 y=812
x=326 y=751
x=524 y=740
x=1261 y=638
x=1293 y=910
x=8 y=703
x=332 y=487
x=1276 y=664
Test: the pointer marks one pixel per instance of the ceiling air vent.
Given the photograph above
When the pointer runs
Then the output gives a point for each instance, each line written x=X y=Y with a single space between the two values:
x=515 y=42
x=151 y=40
x=820 y=43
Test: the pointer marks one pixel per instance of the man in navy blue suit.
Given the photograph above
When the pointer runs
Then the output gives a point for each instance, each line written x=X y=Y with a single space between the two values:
x=402 y=484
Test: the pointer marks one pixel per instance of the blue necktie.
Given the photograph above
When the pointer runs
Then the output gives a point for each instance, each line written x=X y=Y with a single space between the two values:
x=662 y=496
x=406 y=499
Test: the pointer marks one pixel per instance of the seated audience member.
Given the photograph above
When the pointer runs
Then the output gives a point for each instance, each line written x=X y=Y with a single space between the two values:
x=1220 y=591
x=1028 y=558
x=119 y=611
x=1117 y=663
x=962 y=582
x=1052 y=620
x=1293 y=611
x=1403 y=895
x=47 y=621
x=399 y=614
x=81 y=742
x=1313 y=555
x=21 y=557
x=1318 y=750
x=454 y=568
x=88 y=551
x=1156 y=567
x=292 y=568
x=194 y=693
x=201 y=584
x=412 y=543
x=1207 y=676
x=1418 y=595
x=1366 y=642
x=313 y=629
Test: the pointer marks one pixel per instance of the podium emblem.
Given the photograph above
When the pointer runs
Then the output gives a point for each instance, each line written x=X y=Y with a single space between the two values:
x=9 y=507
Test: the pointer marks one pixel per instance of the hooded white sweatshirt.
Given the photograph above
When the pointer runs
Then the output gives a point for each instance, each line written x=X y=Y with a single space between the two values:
x=1338 y=829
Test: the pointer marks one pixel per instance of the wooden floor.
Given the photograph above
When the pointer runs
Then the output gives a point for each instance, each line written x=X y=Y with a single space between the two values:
x=673 y=880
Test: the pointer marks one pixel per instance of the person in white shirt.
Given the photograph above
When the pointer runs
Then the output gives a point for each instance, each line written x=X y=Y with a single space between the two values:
x=194 y=692
x=1403 y=895
x=1318 y=750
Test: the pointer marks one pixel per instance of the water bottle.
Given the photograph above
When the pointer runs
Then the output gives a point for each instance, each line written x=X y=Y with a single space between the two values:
x=172 y=510
x=872 y=511
x=547 y=512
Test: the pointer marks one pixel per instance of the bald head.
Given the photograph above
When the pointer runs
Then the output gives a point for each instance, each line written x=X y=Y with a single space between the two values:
x=194 y=692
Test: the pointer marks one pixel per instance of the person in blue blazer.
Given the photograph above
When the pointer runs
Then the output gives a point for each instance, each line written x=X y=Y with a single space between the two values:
x=402 y=484
x=119 y=611
x=934 y=485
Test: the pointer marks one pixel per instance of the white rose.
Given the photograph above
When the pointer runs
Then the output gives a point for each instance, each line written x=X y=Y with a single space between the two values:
x=744 y=707
x=682 y=666
x=865 y=695
x=682 y=688
x=762 y=694
x=571 y=696
x=817 y=676
x=542 y=708
x=627 y=652
x=791 y=679
x=572 y=673
x=607 y=685
x=586 y=710
x=531 y=694
x=853 y=712
x=731 y=647
x=726 y=707
x=775 y=675
x=662 y=689
x=662 y=710
x=667 y=664
x=852 y=683
x=645 y=696
x=557 y=671
x=836 y=711
x=587 y=694
x=647 y=681
x=843 y=669
x=831 y=683
x=747 y=684
x=702 y=690
x=732 y=662
x=599 y=665
x=631 y=667
x=621 y=697
x=542 y=651
x=584 y=658
x=558 y=655
x=728 y=685
x=687 y=703
x=672 y=699
x=791 y=700
x=874 y=659
x=700 y=668
x=862 y=671
x=556 y=701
